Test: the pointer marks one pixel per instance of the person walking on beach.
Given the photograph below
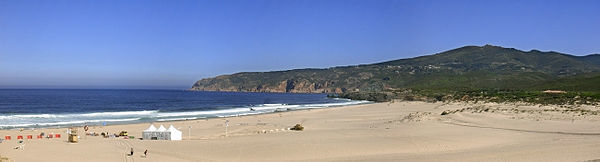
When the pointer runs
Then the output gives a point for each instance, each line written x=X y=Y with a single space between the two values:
x=131 y=152
x=146 y=153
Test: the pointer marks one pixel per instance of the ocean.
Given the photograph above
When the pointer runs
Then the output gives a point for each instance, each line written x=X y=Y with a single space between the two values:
x=36 y=108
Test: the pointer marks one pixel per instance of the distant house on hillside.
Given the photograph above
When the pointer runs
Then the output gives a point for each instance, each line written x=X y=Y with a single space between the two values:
x=554 y=91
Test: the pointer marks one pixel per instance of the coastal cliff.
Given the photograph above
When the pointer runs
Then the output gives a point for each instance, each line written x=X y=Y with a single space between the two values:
x=465 y=68
x=229 y=83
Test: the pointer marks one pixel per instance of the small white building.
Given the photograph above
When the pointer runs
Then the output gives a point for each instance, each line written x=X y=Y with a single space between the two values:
x=162 y=133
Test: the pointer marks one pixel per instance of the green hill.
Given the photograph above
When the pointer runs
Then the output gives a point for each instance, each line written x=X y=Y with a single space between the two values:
x=465 y=68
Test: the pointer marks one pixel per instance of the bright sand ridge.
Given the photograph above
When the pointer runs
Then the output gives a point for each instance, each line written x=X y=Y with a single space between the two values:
x=400 y=131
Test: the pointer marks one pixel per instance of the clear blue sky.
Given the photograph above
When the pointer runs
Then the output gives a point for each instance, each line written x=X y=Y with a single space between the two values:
x=171 y=44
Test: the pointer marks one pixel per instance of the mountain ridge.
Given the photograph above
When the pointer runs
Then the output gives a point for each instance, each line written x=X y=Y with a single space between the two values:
x=468 y=67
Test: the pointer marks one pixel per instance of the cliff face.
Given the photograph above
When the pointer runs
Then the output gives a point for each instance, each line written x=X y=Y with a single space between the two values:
x=465 y=68
x=288 y=85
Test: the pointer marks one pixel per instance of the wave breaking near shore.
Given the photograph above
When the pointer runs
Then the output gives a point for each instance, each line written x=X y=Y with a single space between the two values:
x=9 y=121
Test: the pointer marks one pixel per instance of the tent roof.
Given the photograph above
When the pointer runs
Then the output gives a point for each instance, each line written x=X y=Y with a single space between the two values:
x=151 y=128
x=173 y=129
x=161 y=128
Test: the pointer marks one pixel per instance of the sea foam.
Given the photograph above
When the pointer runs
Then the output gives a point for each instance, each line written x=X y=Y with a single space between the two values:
x=120 y=117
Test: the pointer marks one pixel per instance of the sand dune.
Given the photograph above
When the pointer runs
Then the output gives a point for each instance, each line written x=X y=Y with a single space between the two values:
x=400 y=131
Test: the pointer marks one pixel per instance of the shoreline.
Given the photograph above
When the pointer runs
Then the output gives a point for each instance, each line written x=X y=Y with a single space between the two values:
x=184 y=120
x=264 y=109
x=394 y=131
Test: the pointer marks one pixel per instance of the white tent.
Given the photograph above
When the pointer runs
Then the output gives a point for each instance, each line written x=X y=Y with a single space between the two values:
x=149 y=133
x=151 y=128
x=175 y=134
x=161 y=128
x=161 y=133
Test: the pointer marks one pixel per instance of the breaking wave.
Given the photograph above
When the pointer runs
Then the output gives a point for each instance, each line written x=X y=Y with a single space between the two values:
x=8 y=121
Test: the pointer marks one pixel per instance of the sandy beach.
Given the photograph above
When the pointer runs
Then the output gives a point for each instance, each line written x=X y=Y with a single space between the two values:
x=398 y=131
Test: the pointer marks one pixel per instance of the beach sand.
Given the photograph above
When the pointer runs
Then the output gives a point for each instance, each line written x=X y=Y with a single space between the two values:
x=399 y=131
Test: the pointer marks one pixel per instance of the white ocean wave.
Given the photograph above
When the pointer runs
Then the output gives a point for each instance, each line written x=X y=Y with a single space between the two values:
x=196 y=113
x=176 y=119
x=121 y=113
x=67 y=122
x=336 y=104
x=34 y=120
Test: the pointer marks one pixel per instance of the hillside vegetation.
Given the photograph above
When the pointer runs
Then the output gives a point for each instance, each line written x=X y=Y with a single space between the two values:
x=463 y=69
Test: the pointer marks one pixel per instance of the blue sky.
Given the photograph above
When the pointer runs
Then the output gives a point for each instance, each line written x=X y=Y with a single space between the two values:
x=171 y=44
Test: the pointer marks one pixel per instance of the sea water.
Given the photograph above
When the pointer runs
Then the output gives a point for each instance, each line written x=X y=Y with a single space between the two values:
x=34 y=108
